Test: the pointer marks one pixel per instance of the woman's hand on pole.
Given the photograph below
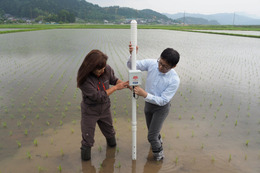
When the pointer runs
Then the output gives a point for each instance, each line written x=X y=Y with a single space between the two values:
x=122 y=85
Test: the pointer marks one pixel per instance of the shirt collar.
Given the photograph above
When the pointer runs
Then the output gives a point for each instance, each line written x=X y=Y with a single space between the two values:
x=163 y=74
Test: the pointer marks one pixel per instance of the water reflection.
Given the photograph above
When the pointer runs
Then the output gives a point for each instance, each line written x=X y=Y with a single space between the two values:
x=133 y=166
x=107 y=165
x=88 y=167
x=151 y=165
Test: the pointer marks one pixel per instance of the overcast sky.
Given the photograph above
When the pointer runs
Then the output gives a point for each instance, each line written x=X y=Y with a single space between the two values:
x=250 y=7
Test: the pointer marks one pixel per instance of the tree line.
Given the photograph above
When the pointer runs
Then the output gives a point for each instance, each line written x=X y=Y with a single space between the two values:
x=68 y=10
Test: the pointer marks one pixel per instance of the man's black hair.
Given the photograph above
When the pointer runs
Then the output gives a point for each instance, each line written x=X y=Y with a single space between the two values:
x=171 y=56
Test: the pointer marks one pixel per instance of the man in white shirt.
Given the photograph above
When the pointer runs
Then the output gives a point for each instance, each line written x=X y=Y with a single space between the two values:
x=161 y=85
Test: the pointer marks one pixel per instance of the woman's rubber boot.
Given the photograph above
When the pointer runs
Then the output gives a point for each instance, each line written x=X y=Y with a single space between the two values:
x=111 y=141
x=85 y=153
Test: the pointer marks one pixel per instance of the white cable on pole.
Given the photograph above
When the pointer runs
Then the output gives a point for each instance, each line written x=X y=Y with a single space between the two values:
x=134 y=123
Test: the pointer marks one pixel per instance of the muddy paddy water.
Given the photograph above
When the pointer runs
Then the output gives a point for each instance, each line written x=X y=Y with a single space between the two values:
x=213 y=125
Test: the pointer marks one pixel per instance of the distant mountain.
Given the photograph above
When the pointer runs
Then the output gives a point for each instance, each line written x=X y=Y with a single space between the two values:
x=221 y=18
x=196 y=21
x=69 y=10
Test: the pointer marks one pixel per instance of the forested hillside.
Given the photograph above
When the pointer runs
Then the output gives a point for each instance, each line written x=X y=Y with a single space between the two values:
x=70 y=10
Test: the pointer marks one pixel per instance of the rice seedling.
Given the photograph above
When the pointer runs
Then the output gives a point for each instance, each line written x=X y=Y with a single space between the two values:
x=19 y=123
x=118 y=165
x=114 y=107
x=247 y=141
x=63 y=115
x=4 y=124
x=100 y=165
x=6 y=111
x=236 y=123
x=50 y=115
x=10 y=133
x=29 y=109
x=12 y=116
x=227 y=115
x=35 y=142
x=24 y=117
x=178 y=135
x=176 y=160
x=19 y=144
x=212 y=159
x=117 y=150
x=61 y=123
x=28 y=154
x=40 y=169
x=163 y=135
x=246 y=157
x=71 y=130
x=46 y=155
x=100 y=149
x=59 y=168
x=202 y=146
x=61 y=153
x=229 y=159
x=26 y=132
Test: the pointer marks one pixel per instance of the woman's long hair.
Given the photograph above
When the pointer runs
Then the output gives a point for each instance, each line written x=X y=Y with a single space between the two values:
x=95 y=59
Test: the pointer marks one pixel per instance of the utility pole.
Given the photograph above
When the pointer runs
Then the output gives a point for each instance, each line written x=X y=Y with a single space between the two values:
x=184 y=18
x=234 y=19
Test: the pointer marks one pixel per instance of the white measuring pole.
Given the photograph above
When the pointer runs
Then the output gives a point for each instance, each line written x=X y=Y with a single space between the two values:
x=134 y=123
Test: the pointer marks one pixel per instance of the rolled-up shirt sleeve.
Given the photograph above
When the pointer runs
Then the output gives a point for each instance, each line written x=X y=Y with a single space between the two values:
x=165 y=96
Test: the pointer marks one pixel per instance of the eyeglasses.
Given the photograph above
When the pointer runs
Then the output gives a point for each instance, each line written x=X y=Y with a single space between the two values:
x=165 y=67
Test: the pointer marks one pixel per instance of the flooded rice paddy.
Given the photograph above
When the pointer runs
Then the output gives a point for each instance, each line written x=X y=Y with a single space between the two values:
x=213 y=125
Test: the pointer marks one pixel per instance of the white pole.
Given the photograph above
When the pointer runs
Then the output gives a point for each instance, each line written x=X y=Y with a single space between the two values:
x=134 y=123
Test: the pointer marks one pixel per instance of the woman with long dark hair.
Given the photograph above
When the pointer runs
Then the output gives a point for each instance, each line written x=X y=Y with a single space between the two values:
x=94 y=78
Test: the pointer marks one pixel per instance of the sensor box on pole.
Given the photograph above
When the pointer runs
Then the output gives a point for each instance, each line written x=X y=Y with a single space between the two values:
x=135 y=77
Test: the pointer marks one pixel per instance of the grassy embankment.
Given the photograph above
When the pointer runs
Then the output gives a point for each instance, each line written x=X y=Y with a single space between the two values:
x=190 y=28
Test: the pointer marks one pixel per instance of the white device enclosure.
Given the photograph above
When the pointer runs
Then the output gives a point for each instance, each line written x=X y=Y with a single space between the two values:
x=135 y=77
